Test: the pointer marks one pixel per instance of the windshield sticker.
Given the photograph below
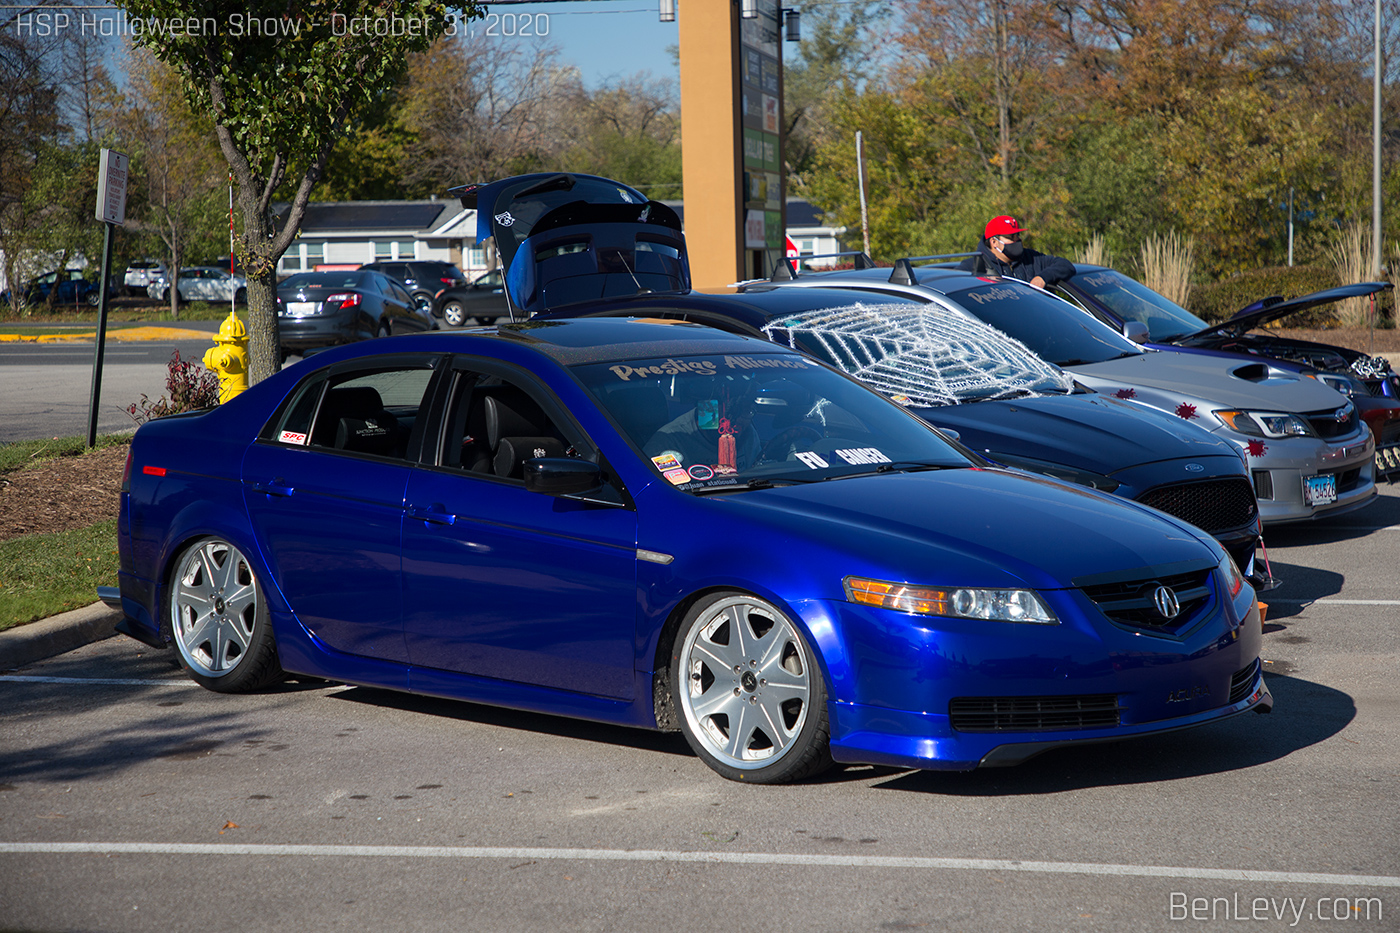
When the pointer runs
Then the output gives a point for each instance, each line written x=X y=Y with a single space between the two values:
x=749 y=362
x=813 y=461
x=504 y=219
x=1001 y=293
x=668 y=368
x=292 y=437
x=862 y=455
x=625 y=196
x=724 y=469
x=901 y=400
x=700 y=472
x=667 y=460
x=677 y=476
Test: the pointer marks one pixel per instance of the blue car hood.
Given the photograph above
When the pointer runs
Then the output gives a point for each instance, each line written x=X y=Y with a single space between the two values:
x=1091 y=432
x=976 y=527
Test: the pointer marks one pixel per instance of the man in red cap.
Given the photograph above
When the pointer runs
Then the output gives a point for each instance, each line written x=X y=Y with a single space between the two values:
x=1001 y=253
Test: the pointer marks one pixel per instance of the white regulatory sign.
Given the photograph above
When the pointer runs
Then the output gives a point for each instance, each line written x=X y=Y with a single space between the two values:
x=111 y=186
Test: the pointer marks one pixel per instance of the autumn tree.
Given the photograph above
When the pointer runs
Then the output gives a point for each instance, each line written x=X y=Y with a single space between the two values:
x=629 y=130
x=177 y=168
x=281 y=82
x=479 y=109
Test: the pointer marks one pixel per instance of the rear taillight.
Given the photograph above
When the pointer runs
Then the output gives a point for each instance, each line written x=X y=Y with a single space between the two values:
x=344 y=299
x=448 y=281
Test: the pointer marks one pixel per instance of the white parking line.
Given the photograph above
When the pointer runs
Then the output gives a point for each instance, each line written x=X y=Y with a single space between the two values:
x=1328 y=601
x=729 y=858
x=100 y=681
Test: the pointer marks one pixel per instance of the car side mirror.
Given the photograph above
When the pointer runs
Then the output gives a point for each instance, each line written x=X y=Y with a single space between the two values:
x=951 y=434
x=561 y=476
x=1136 y=331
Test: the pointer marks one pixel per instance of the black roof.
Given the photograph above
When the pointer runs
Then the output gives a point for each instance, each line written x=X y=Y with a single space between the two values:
x=324 y=217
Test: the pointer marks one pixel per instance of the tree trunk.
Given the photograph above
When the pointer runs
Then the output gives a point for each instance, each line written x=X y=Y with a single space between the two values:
x=173 y=287
x=260 y=269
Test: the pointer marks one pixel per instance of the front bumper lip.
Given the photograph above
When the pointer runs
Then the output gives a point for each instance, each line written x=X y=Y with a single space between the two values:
x=970 y=751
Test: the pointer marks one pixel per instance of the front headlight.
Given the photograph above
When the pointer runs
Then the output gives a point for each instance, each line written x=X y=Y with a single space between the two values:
x=1346 y=385
x=1265 y=423
x=960 y=603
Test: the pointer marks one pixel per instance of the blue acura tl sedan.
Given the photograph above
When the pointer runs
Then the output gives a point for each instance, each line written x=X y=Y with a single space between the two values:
x=665 y=526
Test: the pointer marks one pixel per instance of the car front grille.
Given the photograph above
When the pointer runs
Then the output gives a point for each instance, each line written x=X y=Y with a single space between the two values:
x=1242 y=682
x=1033 y=714
x=1131 y=603
x=1211 y=505
x=1326 y=425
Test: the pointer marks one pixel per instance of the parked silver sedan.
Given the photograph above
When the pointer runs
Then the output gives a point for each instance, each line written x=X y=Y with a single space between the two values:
x=202 y=283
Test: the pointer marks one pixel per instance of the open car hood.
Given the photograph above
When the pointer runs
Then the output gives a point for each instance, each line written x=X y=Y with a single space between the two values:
x=1272 y=309
x=564 y=238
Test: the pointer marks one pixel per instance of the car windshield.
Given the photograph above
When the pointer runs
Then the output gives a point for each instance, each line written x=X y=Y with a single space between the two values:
x=1054 y=329
x=1133 y=301
x=921 y=355
x=324 y=280
x=724 y=422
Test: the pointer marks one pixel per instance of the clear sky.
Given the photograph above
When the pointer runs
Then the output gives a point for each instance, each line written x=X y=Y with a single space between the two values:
x=604 y=38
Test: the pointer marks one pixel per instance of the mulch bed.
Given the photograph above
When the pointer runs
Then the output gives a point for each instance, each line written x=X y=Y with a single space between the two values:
x=67 y=493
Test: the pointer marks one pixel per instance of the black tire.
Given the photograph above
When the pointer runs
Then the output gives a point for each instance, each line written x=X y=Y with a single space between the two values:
x=454 y=314
x=240 y=297
x=772 y=672
x=385 y=329
x=93 y=298
x=218 y=619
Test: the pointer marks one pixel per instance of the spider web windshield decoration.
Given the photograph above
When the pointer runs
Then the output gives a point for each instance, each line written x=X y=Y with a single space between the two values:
x=925 y=357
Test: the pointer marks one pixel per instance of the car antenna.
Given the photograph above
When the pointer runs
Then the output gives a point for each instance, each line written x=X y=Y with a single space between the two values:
x=623 y=259
x=783 y=271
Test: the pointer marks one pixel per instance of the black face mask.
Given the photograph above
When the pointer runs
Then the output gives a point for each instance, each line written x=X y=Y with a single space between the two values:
x=1012 y=250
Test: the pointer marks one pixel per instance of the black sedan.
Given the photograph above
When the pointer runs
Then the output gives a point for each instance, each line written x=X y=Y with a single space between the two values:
x=326 y=309
x=483 y=300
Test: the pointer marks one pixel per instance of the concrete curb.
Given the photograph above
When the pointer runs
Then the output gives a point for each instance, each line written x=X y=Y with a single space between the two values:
x=55 y=635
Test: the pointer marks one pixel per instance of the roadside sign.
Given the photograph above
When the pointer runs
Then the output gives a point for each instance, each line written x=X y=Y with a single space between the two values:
x=111 y=186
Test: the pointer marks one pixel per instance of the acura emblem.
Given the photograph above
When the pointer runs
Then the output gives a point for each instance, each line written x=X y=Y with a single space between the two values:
x=1194 y=468
x=1166 y=602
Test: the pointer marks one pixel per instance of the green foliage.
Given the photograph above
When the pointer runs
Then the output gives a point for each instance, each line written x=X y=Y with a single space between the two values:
x=42 y=575
x=1219 y=301
x=191 y=388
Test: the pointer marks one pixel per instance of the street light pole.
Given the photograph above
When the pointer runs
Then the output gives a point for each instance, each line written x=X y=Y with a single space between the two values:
x=1376 y=155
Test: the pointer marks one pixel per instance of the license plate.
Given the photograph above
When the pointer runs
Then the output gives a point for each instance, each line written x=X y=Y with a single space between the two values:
x=301 y=308
x=1319 y=490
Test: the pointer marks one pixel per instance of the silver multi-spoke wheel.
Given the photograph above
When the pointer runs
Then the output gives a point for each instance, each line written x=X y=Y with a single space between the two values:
x=750 y=695
x=454 y=314
x=218 y=619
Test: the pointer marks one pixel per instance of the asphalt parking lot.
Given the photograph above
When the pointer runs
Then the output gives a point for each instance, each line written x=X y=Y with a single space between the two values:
x=131 y=799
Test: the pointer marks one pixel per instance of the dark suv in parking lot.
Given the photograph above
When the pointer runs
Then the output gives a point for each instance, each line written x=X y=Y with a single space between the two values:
x=423 y=278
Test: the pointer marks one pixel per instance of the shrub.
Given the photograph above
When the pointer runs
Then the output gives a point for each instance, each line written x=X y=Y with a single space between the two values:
x=191 y=388
x=1219 y=301
x=1167 y=265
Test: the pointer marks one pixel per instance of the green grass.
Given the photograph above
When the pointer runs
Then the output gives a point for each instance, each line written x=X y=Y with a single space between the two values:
x=42 y=575
x=21 y=454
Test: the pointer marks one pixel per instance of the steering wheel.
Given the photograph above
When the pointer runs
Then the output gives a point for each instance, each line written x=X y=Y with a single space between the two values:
x=779 y=444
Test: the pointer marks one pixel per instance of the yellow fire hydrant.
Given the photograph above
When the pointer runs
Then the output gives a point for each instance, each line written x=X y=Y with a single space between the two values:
x=228 y=358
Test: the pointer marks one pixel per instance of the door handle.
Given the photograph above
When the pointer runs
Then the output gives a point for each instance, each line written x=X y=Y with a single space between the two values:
x=435 y=514
x=277 y=487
